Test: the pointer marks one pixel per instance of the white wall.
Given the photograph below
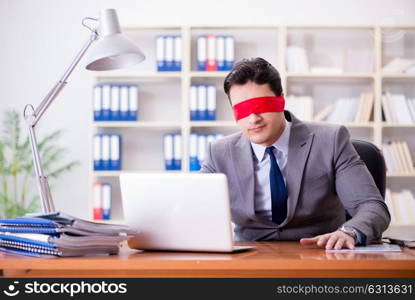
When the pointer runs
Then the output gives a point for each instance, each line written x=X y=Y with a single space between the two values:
x=39 y=39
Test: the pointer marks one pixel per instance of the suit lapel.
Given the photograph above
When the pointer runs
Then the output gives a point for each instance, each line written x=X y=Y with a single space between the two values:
x=241 y=156
x=300 y=143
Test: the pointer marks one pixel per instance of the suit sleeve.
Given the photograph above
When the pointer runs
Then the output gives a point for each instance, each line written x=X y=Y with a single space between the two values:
x=208 y=165
x=357 y=190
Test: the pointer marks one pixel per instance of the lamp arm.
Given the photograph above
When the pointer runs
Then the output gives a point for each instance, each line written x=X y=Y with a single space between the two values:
x=54 y=92
x=32 y=117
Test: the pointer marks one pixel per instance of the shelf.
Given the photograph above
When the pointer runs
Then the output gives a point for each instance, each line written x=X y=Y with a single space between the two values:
x=400 y=175
x=164 y=125
x=234 y=124
x=329 y=27
x=351 y=125
x=134 y=27
x=213 y=124
x=107 y=173
x=359 y=125
x=332 y=75
x=397 y=76
x=138 y=124
x=395 y=26
x=236 y=27
x=212 y=74
x=391 y=125
x=136 y=74
x=118 y=173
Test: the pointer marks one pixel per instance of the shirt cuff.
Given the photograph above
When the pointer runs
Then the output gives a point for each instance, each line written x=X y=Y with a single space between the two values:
x=360 y=238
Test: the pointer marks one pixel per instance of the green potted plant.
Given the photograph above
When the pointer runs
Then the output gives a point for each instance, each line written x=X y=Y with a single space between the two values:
x=18 y=190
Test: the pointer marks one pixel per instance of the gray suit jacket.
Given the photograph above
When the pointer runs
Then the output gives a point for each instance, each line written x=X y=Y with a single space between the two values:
x=324 y=176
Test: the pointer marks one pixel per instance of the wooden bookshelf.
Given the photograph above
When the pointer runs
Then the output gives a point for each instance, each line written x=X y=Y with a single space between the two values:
x=270 y=42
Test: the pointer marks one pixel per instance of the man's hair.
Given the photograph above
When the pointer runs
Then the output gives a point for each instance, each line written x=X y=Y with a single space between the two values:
x=257 y=70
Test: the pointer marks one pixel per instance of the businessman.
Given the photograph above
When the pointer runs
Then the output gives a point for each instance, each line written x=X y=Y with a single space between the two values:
x=288 y=179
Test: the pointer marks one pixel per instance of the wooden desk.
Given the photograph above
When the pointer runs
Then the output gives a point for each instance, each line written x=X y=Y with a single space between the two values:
x=275 y=259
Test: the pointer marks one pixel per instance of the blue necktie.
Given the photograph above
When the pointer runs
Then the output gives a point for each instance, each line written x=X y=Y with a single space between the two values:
x=278 y=189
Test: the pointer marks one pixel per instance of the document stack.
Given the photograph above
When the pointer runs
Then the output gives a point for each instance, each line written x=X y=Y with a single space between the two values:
x=203 y=102
x=169 y=53
x=215 y=52
x=401 y=206
x=198 y=146
x=107 y=152
x=398 y=109
x=102 y=201
x=348 y=110
x=344 y=111
x=172 y=149
x=58 y=234
x=398 y=157
x=115 y=102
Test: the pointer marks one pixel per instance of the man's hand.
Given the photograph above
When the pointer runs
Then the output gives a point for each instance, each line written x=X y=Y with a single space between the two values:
x=333 y=240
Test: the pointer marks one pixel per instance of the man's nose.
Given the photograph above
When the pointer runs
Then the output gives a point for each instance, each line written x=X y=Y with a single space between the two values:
x=254 y=118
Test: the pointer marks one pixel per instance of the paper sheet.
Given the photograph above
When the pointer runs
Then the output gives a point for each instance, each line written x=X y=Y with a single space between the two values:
x=375 y=248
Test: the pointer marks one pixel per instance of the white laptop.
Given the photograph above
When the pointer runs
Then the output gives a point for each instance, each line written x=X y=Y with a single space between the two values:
x=181 y=212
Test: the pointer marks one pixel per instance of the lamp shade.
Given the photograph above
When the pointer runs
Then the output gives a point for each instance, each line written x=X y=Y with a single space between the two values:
x=112 y=50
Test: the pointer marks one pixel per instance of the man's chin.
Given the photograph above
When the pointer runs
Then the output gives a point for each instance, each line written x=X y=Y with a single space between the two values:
x=257 y=140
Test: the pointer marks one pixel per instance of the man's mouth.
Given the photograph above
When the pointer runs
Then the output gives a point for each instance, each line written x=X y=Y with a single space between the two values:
x=257 y=129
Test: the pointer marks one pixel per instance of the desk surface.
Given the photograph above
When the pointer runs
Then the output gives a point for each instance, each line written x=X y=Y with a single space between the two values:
x=269 y=259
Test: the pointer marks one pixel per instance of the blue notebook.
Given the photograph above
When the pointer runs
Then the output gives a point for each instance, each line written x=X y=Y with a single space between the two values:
x=22 y=244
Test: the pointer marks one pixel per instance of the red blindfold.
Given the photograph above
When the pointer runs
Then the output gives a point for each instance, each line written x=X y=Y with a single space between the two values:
x=258 y=105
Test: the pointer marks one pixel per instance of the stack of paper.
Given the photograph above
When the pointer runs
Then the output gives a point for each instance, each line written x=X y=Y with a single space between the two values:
x=365 y=108
x=347 y=110
x=375 y=248
x=398 y=157
x=60 y=235
x=344 y=111
x=401 y=207
x=398 y=109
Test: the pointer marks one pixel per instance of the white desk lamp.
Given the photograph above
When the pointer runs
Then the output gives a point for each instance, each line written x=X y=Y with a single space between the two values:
x=112 y=51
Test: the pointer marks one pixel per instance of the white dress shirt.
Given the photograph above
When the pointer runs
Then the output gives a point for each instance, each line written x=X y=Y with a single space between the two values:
x=262 y=167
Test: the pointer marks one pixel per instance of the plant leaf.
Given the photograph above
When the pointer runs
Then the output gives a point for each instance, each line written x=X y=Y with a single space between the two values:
x=16 y=166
